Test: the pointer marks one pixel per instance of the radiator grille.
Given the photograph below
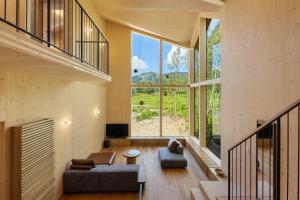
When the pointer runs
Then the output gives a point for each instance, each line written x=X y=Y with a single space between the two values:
x=33 y=161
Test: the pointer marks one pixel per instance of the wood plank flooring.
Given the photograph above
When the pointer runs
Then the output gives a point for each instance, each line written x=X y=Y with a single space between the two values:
x=162 y=184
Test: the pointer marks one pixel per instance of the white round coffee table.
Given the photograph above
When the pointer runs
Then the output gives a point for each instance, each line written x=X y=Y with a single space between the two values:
x=131 y=155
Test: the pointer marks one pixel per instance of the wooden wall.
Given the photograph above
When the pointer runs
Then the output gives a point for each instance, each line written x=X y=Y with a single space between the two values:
x=26 y=97
x=260 y=64
x=119 y=90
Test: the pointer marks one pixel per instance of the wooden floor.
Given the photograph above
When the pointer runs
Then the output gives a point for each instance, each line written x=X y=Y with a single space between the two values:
x=167 y=184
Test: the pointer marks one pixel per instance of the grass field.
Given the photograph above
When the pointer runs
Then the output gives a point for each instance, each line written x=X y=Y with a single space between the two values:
x=146 y=105
x=175 y=108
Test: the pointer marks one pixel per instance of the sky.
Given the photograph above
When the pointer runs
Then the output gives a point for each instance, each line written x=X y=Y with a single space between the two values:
x=145 y=55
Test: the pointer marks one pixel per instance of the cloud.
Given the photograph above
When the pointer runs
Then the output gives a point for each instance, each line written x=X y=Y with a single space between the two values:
x=137 y=63
x=181 y=56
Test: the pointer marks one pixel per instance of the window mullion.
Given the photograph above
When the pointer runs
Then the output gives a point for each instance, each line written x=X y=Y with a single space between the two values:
x=160 y=89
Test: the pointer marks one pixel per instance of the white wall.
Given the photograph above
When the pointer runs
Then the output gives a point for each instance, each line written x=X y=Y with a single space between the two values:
x=26 y=97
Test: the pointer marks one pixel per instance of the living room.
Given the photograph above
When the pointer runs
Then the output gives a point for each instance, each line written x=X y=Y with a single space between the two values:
x=149 y=99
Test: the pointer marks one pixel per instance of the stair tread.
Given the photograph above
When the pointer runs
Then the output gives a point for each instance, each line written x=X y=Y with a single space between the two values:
x=213 y=189
x=197 y=194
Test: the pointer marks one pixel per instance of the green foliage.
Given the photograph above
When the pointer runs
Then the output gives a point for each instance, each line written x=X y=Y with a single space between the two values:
x=212 y=40
x=213 y=93
x=176 y=102
x=144 y=114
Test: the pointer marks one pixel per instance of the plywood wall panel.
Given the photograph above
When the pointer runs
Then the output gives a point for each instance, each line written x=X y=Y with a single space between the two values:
x=260 y=64
x=119 y=90
x=28 y=97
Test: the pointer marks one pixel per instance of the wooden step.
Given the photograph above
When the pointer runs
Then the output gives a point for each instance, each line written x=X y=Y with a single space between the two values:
x=213 y=189
x=196 y=194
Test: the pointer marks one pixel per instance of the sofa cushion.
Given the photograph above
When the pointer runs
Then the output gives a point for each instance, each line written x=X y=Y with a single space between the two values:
x=76 y=180
x=172 y=144
x=119 y=178
x=83 y=162
x=171 y=160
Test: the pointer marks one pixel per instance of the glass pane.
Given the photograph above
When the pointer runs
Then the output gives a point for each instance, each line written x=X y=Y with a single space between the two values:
x=196 y=112
x=175 y=112
x=213 y=109
x=213 y=49
x=145 y=60
x=145 y=112
x=175 y=65
x=196 y=62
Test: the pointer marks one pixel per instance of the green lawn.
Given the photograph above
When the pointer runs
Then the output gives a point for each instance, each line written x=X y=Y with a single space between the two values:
x=175 y=103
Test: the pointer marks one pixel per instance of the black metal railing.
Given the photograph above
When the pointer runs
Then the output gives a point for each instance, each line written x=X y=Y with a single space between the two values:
x=61 y=24
x=265 y=164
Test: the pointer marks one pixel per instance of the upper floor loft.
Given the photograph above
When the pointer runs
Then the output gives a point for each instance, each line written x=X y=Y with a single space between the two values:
x=56 y=31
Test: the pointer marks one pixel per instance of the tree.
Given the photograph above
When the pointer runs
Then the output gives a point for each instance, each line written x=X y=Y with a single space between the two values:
x=177 y=58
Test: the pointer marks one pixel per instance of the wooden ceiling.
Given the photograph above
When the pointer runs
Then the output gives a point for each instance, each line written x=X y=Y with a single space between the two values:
x=172 y=19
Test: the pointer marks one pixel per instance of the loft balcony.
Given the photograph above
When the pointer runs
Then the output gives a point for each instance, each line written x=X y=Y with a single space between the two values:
x=53 y=37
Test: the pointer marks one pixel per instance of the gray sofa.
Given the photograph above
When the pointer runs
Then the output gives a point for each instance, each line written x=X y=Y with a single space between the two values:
x=102 y=178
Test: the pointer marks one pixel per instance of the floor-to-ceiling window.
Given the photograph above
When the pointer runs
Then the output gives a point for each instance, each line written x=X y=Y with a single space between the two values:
x=196 y=88
x=207 y=85
x=160 y=88
x=213 y=90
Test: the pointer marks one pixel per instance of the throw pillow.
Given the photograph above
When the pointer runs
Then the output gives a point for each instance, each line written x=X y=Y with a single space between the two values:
x=84 y=162
x=172 y=145
x=179 y=149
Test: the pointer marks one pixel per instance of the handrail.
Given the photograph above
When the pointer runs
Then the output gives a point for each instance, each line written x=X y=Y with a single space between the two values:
x=267 y=123
x=256 y=160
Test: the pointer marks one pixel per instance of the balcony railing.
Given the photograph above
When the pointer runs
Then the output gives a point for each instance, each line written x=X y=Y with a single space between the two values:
x=61 y=24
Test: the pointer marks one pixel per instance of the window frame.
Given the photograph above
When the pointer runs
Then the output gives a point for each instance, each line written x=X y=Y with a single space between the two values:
x=202 y=85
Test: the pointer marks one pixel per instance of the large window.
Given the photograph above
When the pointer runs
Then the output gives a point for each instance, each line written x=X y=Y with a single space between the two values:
x=207 y=89
x=196 y=68
x=160 y=90
x=213 y=91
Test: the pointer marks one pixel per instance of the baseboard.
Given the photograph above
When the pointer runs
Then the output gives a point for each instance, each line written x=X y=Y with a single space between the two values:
x=135 y=141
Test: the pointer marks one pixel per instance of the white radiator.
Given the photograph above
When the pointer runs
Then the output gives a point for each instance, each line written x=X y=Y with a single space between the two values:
x=33 y=161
